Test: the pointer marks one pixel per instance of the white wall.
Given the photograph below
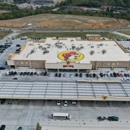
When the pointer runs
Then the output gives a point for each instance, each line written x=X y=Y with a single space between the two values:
x=10 y=62
x=65 y=66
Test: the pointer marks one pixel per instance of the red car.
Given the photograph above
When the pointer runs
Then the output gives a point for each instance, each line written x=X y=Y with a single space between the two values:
x=118 y=74
x=45 y=73
x=35 y=73
x=59 y=75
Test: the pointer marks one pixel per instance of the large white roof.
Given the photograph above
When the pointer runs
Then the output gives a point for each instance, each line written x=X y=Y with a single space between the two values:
x=113 y=51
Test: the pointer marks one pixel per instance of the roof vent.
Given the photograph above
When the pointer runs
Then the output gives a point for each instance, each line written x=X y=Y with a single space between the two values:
x=43 y=48
x=46 y=51
x=77 y=48
x=91 y=52
x=82 y=47
x=73 y=47
x=104 y=51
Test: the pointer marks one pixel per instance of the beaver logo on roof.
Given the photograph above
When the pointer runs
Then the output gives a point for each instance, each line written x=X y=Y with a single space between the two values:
x=70 y=56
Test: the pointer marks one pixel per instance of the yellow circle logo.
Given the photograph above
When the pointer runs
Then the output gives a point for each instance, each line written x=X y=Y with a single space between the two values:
x=70 y=56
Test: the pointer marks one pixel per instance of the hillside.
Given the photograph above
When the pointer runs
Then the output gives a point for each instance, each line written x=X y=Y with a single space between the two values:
x=97 y=3
x=56 y=21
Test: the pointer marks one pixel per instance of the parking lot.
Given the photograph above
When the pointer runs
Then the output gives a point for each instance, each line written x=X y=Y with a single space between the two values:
x=9 y=50
x=84 y=115
x=26 y=113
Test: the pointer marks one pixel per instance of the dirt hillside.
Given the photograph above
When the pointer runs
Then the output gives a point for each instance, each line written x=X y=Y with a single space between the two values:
x=54 y=21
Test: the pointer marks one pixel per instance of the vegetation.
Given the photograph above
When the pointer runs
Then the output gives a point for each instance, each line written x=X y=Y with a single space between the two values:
x=38 y=127
x=96 y=3
x=125 y=32
x=15 y=12
x=4 y=33
x=68 y=34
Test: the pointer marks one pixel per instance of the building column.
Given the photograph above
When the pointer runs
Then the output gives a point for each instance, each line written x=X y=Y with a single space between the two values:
x=57 y=70
x=30 y=65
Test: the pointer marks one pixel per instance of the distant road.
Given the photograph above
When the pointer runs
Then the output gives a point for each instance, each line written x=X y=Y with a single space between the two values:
x=121 y=34
x=22 y=30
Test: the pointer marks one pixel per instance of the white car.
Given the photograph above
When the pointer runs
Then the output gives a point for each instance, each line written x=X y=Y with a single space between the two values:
x=71 y=75
x=58 y=102
x=65 y=103
x=74 y=102
x=64 y=75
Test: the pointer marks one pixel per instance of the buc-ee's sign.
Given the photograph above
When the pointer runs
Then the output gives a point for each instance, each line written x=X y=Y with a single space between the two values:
x=68 y=66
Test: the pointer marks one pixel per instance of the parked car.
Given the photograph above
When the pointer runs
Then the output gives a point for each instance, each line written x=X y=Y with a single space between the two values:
x=71 y=75
x=18 y=45
x=15 y=78
x=111 y=74
x=80 y=75
x=101 y=118
x=2 y=127
x=56 y=74
x=74 y=102
x=65 y=103
x=3 y=101
x=20 y=128
x=31 y=73
x=21 y=73
x=45 y=73
x=87 y=75
x=2 y=68
x=113 y=118
x=94 y=75
x=64 y=75
x=101 y=74
x=58 y=103
x=59 y=75
x=76 y=75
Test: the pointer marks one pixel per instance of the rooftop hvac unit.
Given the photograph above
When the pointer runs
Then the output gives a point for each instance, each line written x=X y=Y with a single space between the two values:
x=43 y=48
x=40 y=46
x=101 y=44
x=59 y=46
x=77 y=48
x=73 y=47
x=91 y=52
x=92 y=46
x=46 y=51
x=104 y=51
x=82 y=47
x=33 y=51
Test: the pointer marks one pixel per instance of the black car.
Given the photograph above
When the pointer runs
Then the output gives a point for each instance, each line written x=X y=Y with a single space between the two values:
x=59 y=74
x=115 y=75
x=101 y=118
x=111 y=74
x=76 y=75
x=18 y=45
x=2 y=68
x=56 y=74
x=101 y=74
x=113 y=118
x=3 y=101
x=94 y=75
x=21 y=73
x=45 y=73
x=87 y=75
x=2 y=127
x=20 y=128
x=15 y=78
x=80 y=75
x=31 y=73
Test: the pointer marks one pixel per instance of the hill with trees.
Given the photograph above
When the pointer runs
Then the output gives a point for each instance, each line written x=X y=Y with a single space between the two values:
x=111 y=11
